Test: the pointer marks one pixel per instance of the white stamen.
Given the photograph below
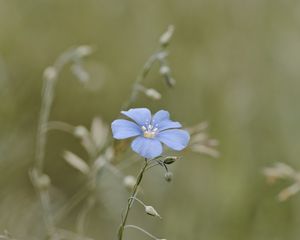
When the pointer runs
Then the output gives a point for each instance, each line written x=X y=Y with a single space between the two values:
x=149 y=131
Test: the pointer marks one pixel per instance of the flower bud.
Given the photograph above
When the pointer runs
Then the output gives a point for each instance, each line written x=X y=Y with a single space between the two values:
x=84 y=50
x=164 y=70
x=129 y=181
x=80 y=131
x=166 y=36
x=168 y=176
x=50 y=73
x=170 y=159
x=152 y=93
x=76 y=162
x=151 y=211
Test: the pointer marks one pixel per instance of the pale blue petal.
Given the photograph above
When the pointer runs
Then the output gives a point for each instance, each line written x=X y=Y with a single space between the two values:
x=162 y=121
x=122 y=129
x=168 y=124
x=141 y=116
x=160 y=116
x=147 y=147
x=176 y=139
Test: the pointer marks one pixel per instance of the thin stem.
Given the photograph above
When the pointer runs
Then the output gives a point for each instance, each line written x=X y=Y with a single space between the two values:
x=154 y=165
x=41 y=140
x=90 y=201
x=131 y=200
x=62 y=126
x=142 y=230
x=139 y=79
x=48 y=217
x=138 y=200
x=48 y=92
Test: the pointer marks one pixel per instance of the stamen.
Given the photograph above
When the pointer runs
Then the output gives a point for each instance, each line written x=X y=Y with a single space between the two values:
x=149 y=131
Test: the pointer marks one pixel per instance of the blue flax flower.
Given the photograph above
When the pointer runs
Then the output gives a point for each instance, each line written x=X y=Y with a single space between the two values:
x=150 y=132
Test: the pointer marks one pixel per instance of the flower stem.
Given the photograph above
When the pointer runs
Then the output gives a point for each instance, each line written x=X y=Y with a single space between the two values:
x=136 y=86
x=142 y=230
x=131 y=200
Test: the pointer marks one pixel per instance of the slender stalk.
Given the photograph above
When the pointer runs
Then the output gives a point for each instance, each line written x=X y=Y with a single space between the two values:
x=50 y=80
x=139 y=201
x=47 y=100
x=131 y=200
x=62 y=126
x=142 y=230
x=139 y=79
x=41 y=141
x=90 y=200
x=48 y=92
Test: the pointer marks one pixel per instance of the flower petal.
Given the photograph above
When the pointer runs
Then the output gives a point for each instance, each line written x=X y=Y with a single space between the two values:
x=168 y=124
x=122 y=129
x=147 y=147
x=160 y=116
x=176 y=139
x=162 y=121
x=141 y=116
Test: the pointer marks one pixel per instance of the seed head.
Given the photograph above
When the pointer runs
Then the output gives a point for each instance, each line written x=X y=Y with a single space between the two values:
x=151 y=211
x=152 y=93
x=168 y=176
x=50 y=73
x=166 y=36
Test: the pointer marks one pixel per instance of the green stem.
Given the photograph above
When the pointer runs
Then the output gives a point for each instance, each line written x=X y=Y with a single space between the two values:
x=142 y=230
x=131 y=200
x=135 y=89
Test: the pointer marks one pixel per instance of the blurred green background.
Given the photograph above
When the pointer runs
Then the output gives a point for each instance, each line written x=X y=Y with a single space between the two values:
x=237 y=66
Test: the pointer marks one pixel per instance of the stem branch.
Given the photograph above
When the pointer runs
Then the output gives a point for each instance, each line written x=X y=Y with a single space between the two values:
x=131 y=200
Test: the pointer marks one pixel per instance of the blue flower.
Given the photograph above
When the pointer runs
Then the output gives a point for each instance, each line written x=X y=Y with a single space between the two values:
x=150 y=132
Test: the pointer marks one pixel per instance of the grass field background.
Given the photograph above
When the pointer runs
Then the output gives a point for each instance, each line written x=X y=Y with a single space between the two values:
x=237 y=66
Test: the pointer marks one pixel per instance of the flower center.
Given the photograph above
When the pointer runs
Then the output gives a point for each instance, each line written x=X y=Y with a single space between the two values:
x=149 y=131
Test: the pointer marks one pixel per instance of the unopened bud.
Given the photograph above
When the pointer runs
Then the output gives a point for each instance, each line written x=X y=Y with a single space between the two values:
x=166 y=36
x=151 y=211
x=152 y=93
x=80 y=131
x=50 y=73
x=129 y=182
x=168 y=176
x=84 y=50
x=164 y=70
x=170 y=159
